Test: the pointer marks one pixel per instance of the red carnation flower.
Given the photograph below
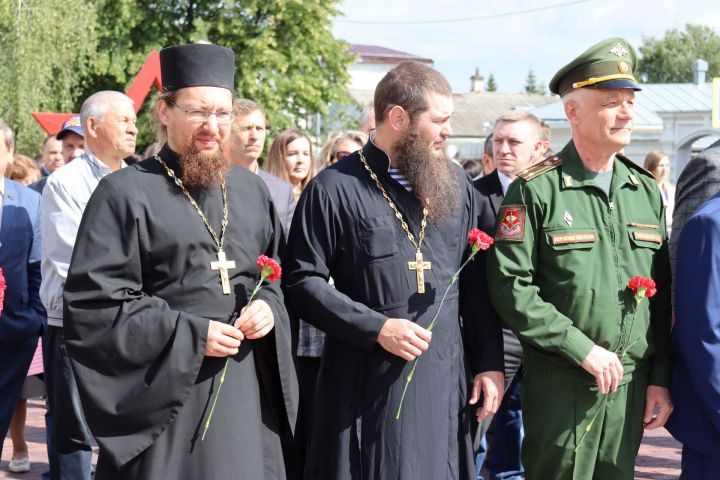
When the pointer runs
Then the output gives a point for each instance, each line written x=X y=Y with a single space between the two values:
x=642 y=287
x=269 y=268
x=3 y=286
x=479 y=239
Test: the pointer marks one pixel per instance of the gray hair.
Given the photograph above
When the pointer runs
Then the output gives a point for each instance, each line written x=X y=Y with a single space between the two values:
x=96 y=105
x=8 y=134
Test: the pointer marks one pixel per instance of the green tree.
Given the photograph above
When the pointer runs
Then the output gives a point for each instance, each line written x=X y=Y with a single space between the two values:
x=286 y=56
x=491 y=85
x=45 y=46
x=669 y=59
x=532 y=86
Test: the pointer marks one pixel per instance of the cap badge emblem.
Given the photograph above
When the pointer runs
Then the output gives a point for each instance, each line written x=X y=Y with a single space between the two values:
x=619 y=50
x=623 y=67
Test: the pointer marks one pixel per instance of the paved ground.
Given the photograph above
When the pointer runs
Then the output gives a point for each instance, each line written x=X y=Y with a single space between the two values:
x=659 y=457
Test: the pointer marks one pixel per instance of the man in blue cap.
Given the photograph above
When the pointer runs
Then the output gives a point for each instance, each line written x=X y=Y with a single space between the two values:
x=572 y=231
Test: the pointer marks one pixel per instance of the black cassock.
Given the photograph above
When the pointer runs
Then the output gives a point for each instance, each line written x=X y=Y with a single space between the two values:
x=344 y=229
x=138 y=298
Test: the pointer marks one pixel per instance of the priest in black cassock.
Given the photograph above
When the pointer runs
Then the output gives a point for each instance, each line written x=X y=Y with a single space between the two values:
x=155 y=299
x=389 y=224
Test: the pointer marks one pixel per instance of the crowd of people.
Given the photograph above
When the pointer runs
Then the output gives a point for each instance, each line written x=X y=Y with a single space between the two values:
x=132 y=287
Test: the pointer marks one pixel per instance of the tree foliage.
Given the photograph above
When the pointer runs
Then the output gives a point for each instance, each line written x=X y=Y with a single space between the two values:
x=669 y=59
x=491 y=85
x=532 y=85
x=286 y=56
x=45 y=46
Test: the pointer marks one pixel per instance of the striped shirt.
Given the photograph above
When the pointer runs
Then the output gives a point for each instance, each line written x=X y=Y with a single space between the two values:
x=396 y=175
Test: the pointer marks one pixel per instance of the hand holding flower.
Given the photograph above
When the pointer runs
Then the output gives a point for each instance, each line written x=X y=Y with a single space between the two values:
x=256 y=320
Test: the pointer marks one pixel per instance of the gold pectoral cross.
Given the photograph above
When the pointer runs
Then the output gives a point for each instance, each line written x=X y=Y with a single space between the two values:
x=419 y=266
x=223 y=265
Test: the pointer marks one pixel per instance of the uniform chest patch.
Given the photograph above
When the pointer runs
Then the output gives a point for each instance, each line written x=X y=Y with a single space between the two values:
x=511 y=223
x=647 y=237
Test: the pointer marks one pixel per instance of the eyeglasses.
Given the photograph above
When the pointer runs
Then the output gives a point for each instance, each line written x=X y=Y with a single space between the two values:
x=341 y=154
x=199 y=115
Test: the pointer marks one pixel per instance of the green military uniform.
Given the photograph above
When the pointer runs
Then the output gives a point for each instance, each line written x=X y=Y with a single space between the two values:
x=558 y=273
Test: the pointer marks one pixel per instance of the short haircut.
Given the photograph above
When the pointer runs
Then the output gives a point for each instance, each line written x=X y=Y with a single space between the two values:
x=7 y=134
x=653 y=158
x=275 y=162
x=407 y=86
x=96 y=105
x=244 y=106
x=488 y=149
x=48 y=138
x=546 y=131
x=521 y=116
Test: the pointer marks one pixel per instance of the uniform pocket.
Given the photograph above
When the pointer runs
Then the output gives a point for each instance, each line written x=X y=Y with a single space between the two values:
x=646 y=238
x=377 y=236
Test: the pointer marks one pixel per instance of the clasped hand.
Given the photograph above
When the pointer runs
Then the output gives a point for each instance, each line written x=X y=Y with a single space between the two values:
x=255 y=321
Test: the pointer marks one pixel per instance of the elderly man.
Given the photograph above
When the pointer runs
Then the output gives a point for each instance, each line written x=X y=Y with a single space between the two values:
x=517 y=143
x=389 y=224
x=157 y=299
x=23 y=316
x=245 y=146
x=108 y=120
x=572 y=231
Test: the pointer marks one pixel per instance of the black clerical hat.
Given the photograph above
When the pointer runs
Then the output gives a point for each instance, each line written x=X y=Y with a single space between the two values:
x=197 y=65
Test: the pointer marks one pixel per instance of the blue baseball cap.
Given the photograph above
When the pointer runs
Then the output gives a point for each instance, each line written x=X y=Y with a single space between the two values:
x=71 y=125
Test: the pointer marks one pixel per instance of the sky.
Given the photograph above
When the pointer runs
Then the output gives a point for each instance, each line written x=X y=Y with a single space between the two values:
x=509 y=38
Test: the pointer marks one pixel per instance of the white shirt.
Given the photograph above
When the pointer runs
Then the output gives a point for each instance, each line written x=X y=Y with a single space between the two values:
x=64 y=198
x=504 y=182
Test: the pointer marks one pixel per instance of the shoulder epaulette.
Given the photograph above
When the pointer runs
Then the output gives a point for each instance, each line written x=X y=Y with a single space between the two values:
x=539 y=168
x=632 y=165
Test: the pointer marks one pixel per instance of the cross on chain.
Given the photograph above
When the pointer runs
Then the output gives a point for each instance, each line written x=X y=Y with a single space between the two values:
x=419 y=266
x=223 y=265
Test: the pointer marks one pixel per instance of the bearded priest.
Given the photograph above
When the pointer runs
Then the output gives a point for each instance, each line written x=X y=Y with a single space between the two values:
x=389 y=224
x=155 y=299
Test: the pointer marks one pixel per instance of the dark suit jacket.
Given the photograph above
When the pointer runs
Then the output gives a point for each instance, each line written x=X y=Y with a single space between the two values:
x=490 y=197
x=699 y=180
x=282 y=196
x=695 y=421
x=23 y=315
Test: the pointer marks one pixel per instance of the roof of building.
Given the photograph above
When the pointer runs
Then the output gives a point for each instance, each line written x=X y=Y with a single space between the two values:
x=377 y=54
x=475 y=113
x=654 y=99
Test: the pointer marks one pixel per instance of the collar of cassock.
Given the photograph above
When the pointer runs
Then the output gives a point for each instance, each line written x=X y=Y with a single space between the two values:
x=378 y=160
x=172 y=159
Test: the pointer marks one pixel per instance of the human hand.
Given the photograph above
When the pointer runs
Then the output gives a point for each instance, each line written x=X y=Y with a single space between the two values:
x=223 y=340
x=256 y=320
x=404 y=338
x=658 y=407
x=605 y=366
x=492 y=385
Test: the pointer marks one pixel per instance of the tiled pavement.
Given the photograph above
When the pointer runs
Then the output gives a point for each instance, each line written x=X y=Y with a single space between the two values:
x=659 y=457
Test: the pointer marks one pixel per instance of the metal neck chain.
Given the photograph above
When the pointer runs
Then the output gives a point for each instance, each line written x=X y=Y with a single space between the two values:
x=403 y=224
x=178 y=182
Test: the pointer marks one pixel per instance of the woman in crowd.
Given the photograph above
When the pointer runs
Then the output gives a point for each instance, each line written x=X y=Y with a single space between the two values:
x=341 y=144
x=658 y=163
x=23 y=170
x=291 y=158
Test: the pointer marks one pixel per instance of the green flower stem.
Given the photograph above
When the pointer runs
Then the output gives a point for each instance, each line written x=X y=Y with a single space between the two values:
x=623 y=350
x=257 y=288
x=430 y=327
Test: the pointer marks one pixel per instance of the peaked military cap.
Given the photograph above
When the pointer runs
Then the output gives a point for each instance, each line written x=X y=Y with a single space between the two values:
x=607 y=64
x=197 y=65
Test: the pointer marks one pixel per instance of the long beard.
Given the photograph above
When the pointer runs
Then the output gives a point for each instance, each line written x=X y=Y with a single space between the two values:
x=430 y=174
x=203 y=169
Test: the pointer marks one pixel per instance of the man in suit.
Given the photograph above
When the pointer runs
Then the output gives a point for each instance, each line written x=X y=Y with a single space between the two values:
x=517 y=142
x=245 y=146
x=695 y=258
x=699 y=180
x=23 y=316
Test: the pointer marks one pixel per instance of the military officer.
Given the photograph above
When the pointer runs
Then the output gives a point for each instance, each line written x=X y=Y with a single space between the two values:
x=571 y=233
